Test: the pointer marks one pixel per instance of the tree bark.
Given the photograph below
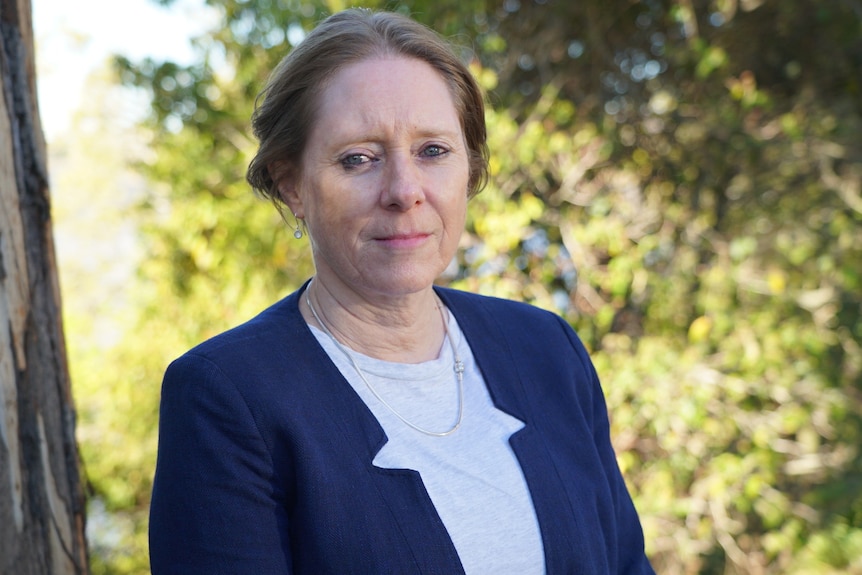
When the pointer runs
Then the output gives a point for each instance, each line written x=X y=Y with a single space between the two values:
x=41 y=494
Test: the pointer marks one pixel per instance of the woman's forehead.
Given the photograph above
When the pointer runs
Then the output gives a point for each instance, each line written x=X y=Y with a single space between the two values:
x=387 y=94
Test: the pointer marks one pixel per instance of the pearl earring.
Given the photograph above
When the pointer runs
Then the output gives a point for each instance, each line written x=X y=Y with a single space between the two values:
x=297 y=233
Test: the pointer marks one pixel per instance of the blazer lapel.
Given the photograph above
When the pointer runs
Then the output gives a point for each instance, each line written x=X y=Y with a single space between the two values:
x=509 y=388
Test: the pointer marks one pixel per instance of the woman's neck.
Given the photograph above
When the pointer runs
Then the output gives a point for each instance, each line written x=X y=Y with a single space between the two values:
x=407 y=329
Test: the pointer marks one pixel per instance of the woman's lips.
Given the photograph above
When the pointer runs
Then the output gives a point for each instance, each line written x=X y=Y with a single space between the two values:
x=406 y=240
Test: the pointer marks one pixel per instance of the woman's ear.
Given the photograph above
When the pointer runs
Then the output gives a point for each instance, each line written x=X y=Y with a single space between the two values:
x=286 y=181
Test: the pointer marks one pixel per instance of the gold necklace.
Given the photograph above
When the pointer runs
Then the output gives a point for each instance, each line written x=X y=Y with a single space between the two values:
x=458 y=367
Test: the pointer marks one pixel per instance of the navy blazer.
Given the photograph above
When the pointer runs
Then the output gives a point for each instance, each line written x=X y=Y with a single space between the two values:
x=265 y=455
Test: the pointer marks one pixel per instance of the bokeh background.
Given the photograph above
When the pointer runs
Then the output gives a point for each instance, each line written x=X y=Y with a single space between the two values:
x=680 y=179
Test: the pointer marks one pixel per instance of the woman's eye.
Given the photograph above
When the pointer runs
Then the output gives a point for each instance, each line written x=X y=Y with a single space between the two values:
x=354 y=160
x=434 y=150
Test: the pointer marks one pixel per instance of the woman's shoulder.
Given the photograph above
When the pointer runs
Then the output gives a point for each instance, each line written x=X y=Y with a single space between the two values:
x=275 y=334
x=504 y=310
x=522 y=325
x=272 y=322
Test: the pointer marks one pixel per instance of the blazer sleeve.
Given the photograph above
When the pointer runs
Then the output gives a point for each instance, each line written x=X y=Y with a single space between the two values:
x=630 y=555
x=216 y=506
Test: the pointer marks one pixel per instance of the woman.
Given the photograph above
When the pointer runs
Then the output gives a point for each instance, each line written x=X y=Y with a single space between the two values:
x=370 y=422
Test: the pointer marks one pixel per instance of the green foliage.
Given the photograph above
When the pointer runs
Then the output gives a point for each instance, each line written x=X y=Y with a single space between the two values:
x=680 y=180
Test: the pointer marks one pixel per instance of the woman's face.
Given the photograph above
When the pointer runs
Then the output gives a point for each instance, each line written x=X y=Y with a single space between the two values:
x=382 y=184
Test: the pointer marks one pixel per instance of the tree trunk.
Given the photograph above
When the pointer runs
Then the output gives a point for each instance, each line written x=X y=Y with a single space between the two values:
x=41 y=495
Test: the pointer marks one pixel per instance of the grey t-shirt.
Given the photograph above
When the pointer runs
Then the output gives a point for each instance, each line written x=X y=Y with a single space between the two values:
x=472 y=475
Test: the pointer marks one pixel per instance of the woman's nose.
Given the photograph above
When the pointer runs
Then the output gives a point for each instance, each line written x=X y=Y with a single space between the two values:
x=402 y=188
